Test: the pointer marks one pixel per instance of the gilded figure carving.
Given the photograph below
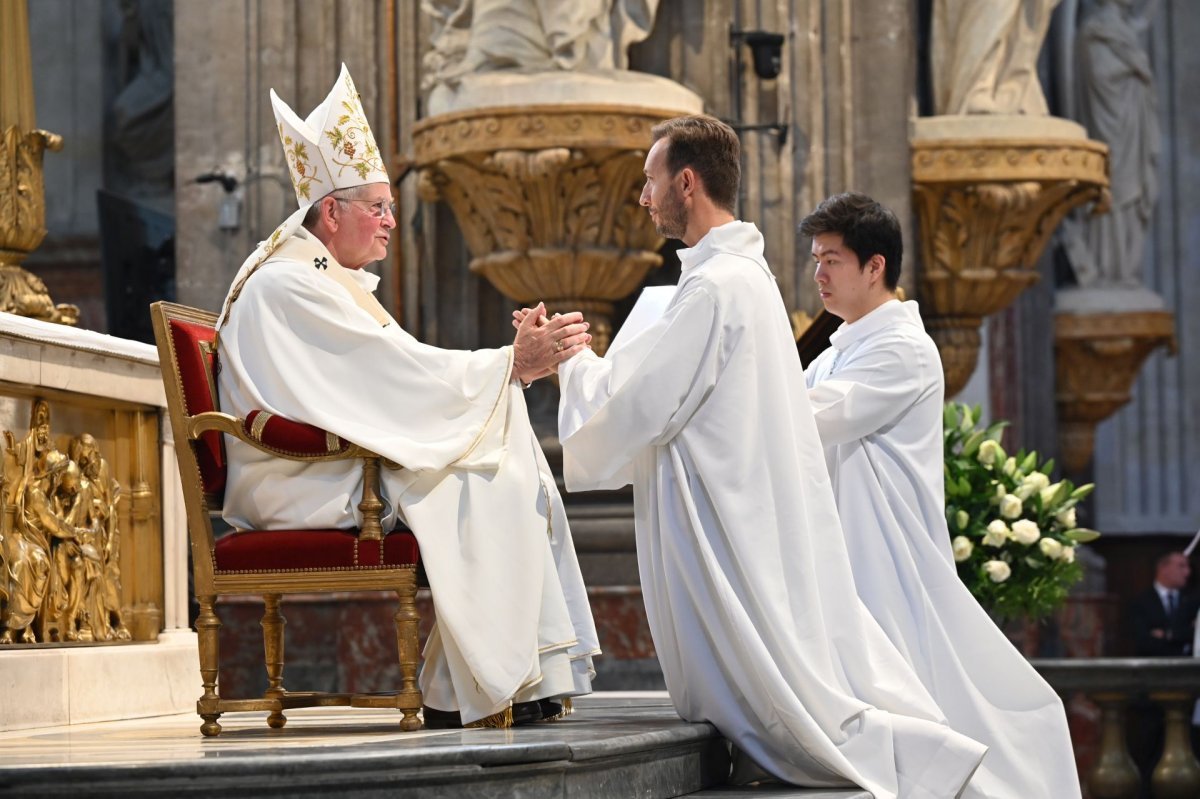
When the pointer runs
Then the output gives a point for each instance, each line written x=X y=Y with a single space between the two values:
x=61 y=578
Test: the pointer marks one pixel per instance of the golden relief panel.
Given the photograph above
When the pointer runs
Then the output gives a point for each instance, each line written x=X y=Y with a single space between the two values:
x=63 y=518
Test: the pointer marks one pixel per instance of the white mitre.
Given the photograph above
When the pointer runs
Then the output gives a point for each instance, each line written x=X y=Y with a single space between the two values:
x=333 y=148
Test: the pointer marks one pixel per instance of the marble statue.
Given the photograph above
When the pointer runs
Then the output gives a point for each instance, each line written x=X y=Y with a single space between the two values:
x=984 y=56
x=1117 y=106
x=472 y=36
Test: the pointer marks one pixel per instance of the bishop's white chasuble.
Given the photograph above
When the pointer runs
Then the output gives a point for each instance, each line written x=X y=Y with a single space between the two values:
x=306 y=339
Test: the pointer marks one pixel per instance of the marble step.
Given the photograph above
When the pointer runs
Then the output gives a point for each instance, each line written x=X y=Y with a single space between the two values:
x=616 y=745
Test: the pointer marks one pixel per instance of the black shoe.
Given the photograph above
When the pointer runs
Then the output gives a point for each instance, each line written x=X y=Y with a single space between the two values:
x=527 y=712
x=551 y=710
x=441 y=719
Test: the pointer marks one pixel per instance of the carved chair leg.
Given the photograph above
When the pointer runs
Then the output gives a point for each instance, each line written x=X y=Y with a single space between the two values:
x=408 y=640
x=272 y=625
x=1177 y=775
x=208 y=628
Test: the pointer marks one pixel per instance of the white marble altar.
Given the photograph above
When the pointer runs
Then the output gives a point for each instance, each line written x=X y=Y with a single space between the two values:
x=46 y=685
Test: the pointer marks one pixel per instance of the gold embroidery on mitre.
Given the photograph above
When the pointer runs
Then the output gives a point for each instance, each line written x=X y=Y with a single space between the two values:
x=303 y=173
x=351 y=137
x=333 y=148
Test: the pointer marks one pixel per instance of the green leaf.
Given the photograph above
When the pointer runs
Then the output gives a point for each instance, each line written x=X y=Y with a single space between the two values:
x=964 y=486
x=973 y=442
x=1029 y=463
x=950 y=417
x=1083 y=491
x=1047 y=467
x=1082 y=535
x=1060 y=494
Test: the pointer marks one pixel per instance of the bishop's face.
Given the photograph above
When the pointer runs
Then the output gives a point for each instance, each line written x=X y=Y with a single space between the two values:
x=362 y=236
x=661 y=195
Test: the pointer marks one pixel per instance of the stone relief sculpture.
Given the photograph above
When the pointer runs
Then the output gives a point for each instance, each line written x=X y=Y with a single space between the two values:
x=985 y=55
x=61 y=555
x=532 y=35
x=1117 y=106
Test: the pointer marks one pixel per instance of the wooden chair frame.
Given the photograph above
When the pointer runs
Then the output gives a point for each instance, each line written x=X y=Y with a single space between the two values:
x=210 y=582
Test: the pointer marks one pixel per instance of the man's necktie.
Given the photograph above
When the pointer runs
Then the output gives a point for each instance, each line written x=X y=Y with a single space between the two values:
x=1172 y=604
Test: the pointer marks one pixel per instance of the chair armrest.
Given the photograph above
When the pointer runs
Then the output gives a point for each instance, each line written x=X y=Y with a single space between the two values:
x=279 y=436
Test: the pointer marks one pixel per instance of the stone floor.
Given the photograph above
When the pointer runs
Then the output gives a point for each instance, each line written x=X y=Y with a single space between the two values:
x=614 y=745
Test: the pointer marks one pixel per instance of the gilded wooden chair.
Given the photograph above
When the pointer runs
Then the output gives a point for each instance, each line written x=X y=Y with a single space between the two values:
x=273 y=562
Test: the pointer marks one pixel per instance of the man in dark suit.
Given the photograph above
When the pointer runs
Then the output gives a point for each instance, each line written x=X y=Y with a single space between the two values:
x=1163 y=617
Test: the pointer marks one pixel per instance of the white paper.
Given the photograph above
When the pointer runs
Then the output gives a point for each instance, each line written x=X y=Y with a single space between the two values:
x=648 y=309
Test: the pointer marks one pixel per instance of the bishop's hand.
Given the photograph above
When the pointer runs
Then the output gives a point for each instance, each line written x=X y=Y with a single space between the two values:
x=542 y=344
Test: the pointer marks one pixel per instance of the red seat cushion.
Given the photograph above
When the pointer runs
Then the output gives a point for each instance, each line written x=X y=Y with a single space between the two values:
x=291 y=438
x=196 y=362
x=294 y=550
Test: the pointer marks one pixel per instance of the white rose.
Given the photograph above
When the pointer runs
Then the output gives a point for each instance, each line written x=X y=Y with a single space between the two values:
x=997 y=570
x=962 y=519
x=1001 y=492
x=1025 y=531
x=1010 y=506
x=1066 y=518
x=1051 y=548
x=997 y=534
x=962 y=547
x=988 y=452
x=1010 y=466
x=1031 y=485
x=1068 y=555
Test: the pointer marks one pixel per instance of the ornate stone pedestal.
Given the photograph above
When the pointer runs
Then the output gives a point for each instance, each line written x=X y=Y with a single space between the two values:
x=110 y=389
x=1097 y=356
x=989 y=191
x=544 y=179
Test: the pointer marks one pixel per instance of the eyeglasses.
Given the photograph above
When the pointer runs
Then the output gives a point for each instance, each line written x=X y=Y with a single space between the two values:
x=376 y=209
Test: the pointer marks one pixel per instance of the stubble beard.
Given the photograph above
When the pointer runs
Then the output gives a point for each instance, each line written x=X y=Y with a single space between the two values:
x=672 y=217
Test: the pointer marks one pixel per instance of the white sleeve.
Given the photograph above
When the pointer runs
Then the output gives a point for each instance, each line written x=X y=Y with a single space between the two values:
x=613 y=409
x=868 y=393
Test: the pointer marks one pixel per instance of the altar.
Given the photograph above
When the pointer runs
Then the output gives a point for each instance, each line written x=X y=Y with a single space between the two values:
x=93 y=562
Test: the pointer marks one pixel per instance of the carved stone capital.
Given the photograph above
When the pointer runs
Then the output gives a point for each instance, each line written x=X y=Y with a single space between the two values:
x=986 y=209
x=1097 y=357
x=547 y=199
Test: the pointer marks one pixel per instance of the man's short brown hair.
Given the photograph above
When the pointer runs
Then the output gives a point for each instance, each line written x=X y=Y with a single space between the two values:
x=711 y=149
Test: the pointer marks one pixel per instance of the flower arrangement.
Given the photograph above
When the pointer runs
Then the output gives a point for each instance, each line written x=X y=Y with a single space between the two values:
x=1013 y=531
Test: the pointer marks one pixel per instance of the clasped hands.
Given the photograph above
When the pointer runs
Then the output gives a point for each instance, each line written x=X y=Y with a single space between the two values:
x=541 y=344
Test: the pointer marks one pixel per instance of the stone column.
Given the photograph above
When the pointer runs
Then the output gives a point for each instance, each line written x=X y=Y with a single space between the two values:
x=224 y=122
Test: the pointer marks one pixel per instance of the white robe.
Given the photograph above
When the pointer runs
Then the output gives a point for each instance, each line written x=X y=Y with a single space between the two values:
x=877 y=394
x=747 y=586
x=309 y=342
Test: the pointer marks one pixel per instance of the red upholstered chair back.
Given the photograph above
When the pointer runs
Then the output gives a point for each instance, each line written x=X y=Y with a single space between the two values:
x=193 y=346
